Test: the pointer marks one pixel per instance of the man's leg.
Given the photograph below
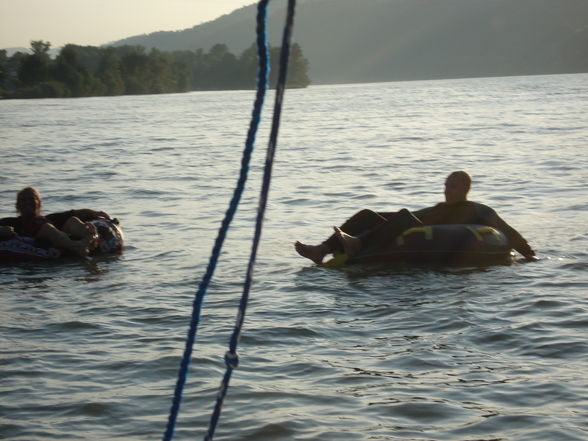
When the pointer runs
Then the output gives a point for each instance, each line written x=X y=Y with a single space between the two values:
x=373 y=240
x=360 y=223
x=383 y=234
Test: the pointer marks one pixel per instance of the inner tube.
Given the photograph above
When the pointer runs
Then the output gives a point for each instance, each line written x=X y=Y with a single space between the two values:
x=110 y=236
x=26 y=249
x=459 y=244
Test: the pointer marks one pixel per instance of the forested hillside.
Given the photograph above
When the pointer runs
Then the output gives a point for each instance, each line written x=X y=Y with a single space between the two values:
x=383 y=40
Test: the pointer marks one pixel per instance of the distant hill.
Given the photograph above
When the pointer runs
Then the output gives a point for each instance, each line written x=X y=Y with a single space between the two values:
x=385 y=40
x=10 y=51
x=13 y=50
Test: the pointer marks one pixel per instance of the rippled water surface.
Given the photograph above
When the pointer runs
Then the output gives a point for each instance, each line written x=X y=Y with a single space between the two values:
x=91 y=350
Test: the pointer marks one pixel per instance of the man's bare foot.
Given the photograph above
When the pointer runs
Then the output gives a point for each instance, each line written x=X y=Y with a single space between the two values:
x=351 y=244
x=316 y=253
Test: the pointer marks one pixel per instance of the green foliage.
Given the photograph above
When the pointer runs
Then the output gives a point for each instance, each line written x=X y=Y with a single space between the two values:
x=109 y=72
x=298 y=68
x=35 y=68
x=40 y=47
x=44 y=89
x=92 y=71
x=4 y=75
x=68 y=70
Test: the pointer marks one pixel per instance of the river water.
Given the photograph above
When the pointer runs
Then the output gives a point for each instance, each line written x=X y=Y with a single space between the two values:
x=91 y=350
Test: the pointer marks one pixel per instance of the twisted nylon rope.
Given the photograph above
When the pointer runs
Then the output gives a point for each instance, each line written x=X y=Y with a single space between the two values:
x=262 y=82
x=231 y=357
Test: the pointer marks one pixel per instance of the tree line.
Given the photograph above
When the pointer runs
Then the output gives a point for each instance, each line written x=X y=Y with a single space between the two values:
x=80 y=71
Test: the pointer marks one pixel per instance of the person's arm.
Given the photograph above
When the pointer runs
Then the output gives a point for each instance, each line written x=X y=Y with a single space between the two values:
x=6 y=232
x=7 y=227
x=518 y=242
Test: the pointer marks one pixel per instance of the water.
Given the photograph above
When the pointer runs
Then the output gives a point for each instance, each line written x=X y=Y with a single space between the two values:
x=91 y=350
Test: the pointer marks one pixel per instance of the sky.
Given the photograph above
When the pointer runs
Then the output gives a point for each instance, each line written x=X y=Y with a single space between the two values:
x=97 y=22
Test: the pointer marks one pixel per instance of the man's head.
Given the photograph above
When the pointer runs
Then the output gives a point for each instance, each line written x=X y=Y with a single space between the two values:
x=28 y=202
x=457 y=186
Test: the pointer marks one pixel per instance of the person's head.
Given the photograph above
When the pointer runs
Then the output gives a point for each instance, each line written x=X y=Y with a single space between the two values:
x=457 y=186
x=28 y=202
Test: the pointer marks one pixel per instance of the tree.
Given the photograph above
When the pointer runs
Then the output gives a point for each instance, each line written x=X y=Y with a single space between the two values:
x=248 y=67
x=199 y=69
x=298 y=68
x=89 y=71
x=161 y=74
x=69 y=71
x=185 y=68
x=35 y=67
x=110 y=73
x=40 y=47
x=222 y=68
x=9 y=68
x=3 y=72
x=297 y=75
x=135 y=69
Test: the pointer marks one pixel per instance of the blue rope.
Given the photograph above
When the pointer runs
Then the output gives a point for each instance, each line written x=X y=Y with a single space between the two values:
x=262 y=83
x=231 y=357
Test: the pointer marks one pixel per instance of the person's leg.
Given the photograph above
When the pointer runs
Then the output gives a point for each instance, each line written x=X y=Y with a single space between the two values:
x=377 y=237
x=361 y=222
x=77 y=229
x=61 y=240
x=380 y=236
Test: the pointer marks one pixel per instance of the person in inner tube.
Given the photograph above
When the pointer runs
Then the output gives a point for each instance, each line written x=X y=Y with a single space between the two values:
x=68 y=230
x=366 y=230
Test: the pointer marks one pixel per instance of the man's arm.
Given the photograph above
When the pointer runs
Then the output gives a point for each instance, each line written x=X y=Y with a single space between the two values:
x=518 y=242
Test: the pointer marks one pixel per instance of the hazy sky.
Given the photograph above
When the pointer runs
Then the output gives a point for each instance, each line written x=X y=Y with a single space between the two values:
x=98 y=22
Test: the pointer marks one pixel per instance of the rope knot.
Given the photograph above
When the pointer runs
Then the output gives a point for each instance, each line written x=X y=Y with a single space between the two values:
x=232 y=359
